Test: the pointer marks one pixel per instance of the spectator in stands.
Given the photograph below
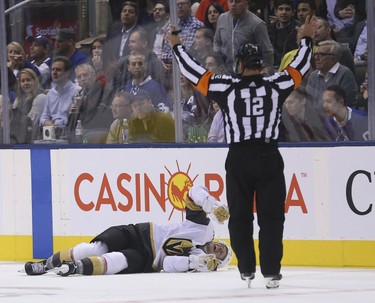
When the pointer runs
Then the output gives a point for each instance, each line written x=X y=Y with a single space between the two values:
x=213 y=11
x=359 y=42
x=237 y=27
x=147 y=123
x=280 y=30
x=39 y=56
x=188 y=25
x=305 y=8
x=161 y=17
x=91 y=107
x=17 y=59
x=330 y=72
x=137 y=67
x=20 y=125
x=323 y=32
x=65 y=45
x=139 y=43
x=31 y=98
x=362 y=98
x=12 y=82
x=117 y=44
x=60 y=96
x=343 y=15
x=203 y=44
x=201 y=12
x=343 y=123
x=97 y=58
x=122 y=112
x=215 y=63
x=300 y=121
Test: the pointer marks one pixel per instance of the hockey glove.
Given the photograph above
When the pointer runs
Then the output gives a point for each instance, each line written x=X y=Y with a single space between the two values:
x=217 y=210
x=203 y=262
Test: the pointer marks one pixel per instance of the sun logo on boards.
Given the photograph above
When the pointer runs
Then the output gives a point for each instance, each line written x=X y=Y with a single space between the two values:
x=179 y=184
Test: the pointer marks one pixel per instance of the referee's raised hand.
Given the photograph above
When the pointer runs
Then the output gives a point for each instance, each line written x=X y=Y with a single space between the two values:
x=308 y=28
x=172 y=36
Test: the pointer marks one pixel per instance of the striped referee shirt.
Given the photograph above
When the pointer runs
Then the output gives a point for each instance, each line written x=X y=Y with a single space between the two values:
x=251 y=105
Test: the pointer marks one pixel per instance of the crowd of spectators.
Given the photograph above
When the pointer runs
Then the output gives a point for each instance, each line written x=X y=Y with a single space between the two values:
x=122 y=90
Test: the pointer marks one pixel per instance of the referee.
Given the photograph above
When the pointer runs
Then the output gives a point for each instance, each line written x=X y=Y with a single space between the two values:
x=251 y=106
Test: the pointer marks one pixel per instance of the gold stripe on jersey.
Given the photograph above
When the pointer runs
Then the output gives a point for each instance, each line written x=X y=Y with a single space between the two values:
x=99 y=266
x=190 y=204
x=203 y=83
x=295 y=74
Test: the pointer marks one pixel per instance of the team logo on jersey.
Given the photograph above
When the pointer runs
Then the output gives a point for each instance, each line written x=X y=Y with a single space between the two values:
x=178 y=187
x=177 y=246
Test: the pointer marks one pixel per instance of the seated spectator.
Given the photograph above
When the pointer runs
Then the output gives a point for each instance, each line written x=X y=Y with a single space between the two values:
x=39 y=56
x=17 y=59
x=323 y=32
x=12 y=83
x=215 y=63
x=65 y=45
x=161 y=18
x=204 y=4
x=343 y=123
x=359 y=42
x=60 y=96
x=122 y=112
x=20 y=126
x=188 y=25
x=91 y=107
x=31 y=98
x=280 y=30
x=97 y=59
x=147 y=123
x=203 y=44
x=305 y=8
x=330 y=72
x=118 y=33
x=300 y=121
x=137 y=66
x=347 y=13
x=212 y=13
x=362 y=98
x=139 y=43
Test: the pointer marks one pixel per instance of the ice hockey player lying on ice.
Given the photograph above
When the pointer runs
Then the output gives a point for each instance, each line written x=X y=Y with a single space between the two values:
x=149 y=247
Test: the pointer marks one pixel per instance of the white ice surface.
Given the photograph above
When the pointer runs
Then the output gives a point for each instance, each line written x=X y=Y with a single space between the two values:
x=299 y=285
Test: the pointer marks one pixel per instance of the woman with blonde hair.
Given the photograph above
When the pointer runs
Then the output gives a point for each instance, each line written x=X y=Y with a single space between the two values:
x=30 y=96
x=17 y=59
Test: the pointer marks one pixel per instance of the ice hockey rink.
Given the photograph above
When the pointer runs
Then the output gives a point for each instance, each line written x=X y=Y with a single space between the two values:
x=300 y=284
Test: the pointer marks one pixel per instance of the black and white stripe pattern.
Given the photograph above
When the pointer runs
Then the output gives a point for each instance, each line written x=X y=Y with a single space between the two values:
x=251 y=105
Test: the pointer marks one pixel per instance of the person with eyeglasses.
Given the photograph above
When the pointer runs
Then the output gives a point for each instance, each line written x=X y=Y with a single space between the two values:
x=121 y=111
x=329 y=72
x=160 y=28
x=188 y=25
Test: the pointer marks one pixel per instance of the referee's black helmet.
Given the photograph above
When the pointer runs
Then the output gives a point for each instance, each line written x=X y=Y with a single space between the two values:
x=250 y=56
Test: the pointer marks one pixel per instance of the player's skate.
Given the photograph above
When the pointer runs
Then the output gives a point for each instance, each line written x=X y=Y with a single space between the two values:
x=248 y=277
x=67 y=269
x=273 y=281
x=36 y=268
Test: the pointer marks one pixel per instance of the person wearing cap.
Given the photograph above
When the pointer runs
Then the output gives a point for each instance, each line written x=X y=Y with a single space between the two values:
x=65 y=45
x=251 y=104
x=188 y=246
x=39 y=55
x=147 y=123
